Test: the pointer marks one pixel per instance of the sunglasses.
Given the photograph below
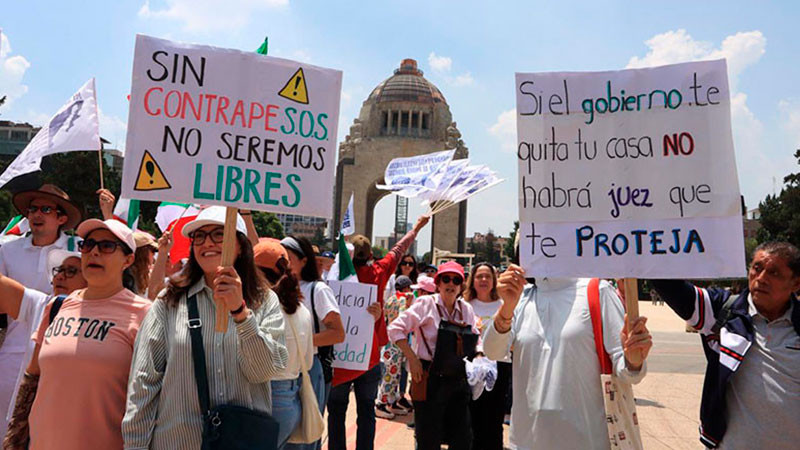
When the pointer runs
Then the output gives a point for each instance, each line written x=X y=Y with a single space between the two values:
x=43 y=209
x=407 y=263
x=199 y=237
x=68 y=272
x=447 y=278
x=104 y=246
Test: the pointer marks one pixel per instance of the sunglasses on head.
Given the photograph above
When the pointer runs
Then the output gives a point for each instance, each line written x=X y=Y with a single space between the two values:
x=199 y=237
x=455 y=279
x=105 y=246
x=69 y=272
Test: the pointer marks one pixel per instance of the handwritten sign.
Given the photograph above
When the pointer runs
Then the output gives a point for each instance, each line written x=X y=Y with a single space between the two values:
x=353 y=299
x=628 y=173
x=225 y=127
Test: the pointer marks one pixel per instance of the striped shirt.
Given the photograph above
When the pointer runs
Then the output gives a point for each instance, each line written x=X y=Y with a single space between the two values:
x=163 y=411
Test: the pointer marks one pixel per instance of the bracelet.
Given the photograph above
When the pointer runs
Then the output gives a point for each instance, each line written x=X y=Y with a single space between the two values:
x=238 y=310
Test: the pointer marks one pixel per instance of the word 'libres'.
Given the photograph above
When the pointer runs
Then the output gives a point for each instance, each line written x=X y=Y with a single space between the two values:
x=234 y=184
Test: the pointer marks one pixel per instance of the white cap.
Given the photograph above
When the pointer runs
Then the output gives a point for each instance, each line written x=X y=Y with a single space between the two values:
x=117 y=228
x=213 y=215
x=56 y=257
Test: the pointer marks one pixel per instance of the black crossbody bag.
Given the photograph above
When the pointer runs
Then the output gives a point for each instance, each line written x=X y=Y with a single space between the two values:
x=226 y=427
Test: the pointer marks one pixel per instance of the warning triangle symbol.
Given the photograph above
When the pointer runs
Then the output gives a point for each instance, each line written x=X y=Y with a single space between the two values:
x=295 y=88
x=150 y=177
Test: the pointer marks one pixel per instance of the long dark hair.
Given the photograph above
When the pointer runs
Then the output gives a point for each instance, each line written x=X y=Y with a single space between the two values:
x=399 y=271
x=469 y=291
x=285 y=285
x=139 y=269
x=309 y=271
x=254 y=285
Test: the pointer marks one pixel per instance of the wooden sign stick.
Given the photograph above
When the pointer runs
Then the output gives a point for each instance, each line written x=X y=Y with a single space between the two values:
x=631 y=299
x=228 y=258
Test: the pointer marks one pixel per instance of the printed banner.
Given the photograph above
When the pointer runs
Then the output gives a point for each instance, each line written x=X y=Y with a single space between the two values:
x=224 y=127
x=353 y=299
x=628 y=173
x=423 y=171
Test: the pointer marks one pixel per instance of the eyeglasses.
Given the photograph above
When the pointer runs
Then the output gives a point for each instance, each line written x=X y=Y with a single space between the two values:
x=44 y=209
x=447 y=278
x=199 y=236
x=407 y=263
x=104 y=246
x=68 y=271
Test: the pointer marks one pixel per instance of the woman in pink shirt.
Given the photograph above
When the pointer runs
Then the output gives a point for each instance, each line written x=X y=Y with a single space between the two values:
x=73 y=393
x=445 y=332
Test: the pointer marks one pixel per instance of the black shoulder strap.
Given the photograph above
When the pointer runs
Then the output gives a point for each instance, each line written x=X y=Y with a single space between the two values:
x=724 y=313
x=314 y=308
x=198 y=355
x=56 y=307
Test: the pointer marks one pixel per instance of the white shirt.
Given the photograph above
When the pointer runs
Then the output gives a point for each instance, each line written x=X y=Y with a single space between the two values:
x=303 y=325
x=17 y=350
x=324 y=301
x=390 y=290
x=485 y=312
x=558 y=401
x=27 y=263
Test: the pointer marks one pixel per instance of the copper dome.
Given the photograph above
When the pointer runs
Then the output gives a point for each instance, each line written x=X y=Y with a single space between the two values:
x=407 y=85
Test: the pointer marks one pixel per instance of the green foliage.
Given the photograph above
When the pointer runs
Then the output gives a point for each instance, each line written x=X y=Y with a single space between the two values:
x=378 y=252
x=780 y=214
x=509 y=247
x=486 y=250
x=319 y=239
x=268 y=225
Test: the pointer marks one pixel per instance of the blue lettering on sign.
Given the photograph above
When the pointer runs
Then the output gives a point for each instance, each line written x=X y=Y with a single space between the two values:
x=679 y=241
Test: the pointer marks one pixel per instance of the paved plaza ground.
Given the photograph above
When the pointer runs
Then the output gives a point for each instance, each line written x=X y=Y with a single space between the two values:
x=668 y=399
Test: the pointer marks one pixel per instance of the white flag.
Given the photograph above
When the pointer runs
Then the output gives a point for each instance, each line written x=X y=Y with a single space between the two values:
x=74 y=127
x=416 y=173
x=348 y=223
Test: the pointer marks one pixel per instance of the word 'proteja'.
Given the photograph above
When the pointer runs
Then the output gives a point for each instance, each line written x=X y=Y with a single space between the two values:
x=653 y=242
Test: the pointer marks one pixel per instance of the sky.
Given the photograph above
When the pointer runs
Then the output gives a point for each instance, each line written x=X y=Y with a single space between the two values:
x=469 y=49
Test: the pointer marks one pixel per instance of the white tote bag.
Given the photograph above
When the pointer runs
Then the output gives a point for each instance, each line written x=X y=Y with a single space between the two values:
x=311 y=424
x=621 y=419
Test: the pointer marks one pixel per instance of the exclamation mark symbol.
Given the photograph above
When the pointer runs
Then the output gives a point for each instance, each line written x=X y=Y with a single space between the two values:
x=296 y=85
x=151 y=170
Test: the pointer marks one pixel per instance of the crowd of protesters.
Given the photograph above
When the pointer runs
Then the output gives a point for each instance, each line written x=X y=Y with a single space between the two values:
x=103 y=342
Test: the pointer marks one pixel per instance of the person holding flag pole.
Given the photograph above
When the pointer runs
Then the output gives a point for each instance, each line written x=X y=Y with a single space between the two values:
x=365 y=383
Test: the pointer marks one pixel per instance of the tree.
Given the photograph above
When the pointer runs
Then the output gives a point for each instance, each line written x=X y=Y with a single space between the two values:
x=319 y=238
x=509 y=247
x=268 y=225
x=378 y=252
x=780 y=214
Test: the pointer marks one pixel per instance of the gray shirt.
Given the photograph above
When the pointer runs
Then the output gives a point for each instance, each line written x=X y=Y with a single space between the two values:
x=763 y=398
x=163 y=411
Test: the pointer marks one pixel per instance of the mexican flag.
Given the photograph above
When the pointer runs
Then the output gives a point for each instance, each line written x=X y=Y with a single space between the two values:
x=173 y=216
x=347 y=272
x=17 y=226
x=127 y=212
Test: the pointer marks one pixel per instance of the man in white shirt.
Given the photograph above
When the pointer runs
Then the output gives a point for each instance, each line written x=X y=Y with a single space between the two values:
x=49 y=211
x=558 y=401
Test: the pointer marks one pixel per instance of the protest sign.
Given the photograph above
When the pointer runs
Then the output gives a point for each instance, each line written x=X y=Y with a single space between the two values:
x=353 y=299
x=225 y=127
x=628 y=173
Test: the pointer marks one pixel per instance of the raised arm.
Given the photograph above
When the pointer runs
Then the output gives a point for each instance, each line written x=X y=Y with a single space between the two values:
x=11 y=293
x=159 y=271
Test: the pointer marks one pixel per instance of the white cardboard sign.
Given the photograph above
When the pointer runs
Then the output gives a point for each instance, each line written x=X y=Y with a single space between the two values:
x=225 y=127
x=359 y=325
x=628 y=173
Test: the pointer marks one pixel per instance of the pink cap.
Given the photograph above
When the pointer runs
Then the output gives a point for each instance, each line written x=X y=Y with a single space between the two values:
x=117 y=228
x=450 y=267
x=425 y=283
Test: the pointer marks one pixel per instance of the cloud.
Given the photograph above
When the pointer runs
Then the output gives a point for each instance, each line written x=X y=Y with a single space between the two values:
x=505 y=130
x=113 y=129
x=741 y=50
x=440 y=63
x=12 y=71
x=208 y=15
x=790 y=119
x=442 y=66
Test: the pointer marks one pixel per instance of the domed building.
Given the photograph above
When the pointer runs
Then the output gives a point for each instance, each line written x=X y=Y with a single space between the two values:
x=405 y=115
